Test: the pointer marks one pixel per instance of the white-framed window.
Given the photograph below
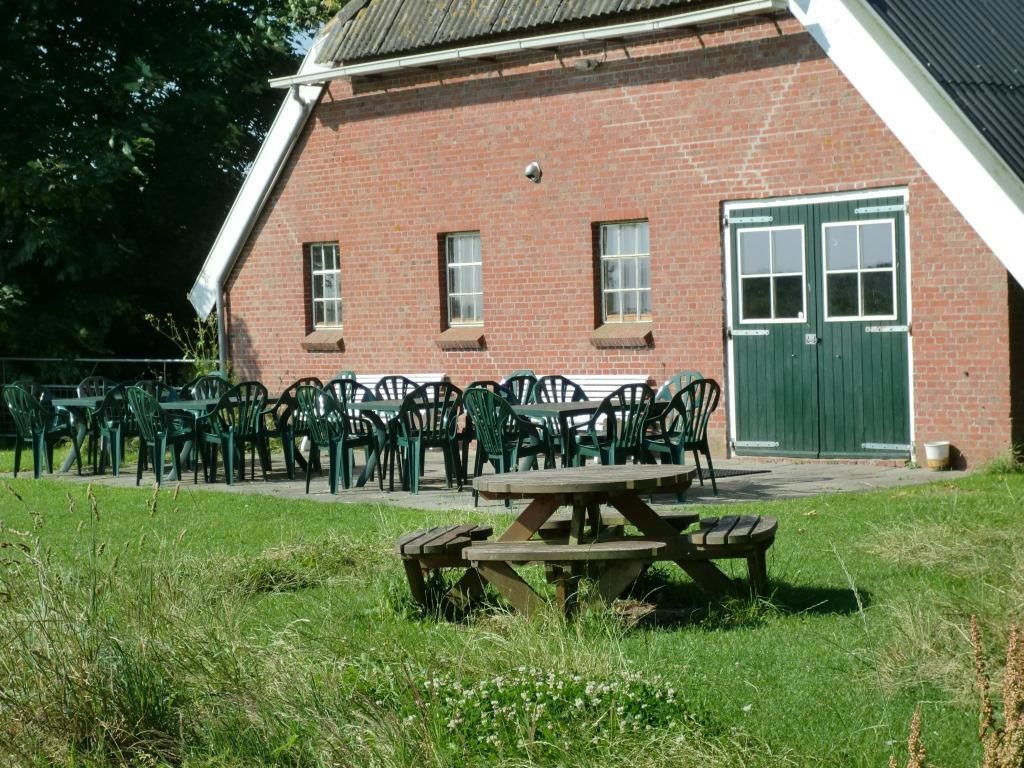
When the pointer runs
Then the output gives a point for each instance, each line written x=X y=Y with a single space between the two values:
x=771 y=274
x=465 y=279
x=860 y=270
x=325 y=273
x=625 y=272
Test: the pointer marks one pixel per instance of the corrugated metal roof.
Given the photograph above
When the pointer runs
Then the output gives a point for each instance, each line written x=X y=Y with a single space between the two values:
x=974 y=51
x=366 y=29
x=469 y=20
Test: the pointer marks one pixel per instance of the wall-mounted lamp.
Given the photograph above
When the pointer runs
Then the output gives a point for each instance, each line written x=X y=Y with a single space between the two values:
x=533 y=172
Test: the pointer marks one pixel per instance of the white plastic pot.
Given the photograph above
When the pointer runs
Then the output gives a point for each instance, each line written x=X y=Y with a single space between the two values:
x=937 y=454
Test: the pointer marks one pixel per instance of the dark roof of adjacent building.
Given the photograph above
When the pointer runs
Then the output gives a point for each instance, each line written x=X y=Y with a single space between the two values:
x=367 y=29
x=974 y=50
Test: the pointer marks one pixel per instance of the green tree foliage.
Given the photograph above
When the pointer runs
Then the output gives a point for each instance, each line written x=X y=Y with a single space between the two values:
x=126 y=127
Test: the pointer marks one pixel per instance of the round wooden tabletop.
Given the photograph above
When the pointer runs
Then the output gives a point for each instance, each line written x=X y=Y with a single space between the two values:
x=592 y=478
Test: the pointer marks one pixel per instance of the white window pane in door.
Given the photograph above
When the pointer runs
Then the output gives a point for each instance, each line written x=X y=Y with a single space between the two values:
x=876 y=245
x=789 y=297
x=841 y=247
x=317 y=257
x=755 y=254
x=645 y=303
x=318 y=286
x=318 y=313
x=842 y=295
x=643 y=243
x=330 y=313
x=455 y=279
x=756 y=298
x=878 y=294
x=787 y=251
x=330 y=286
x=476 y=281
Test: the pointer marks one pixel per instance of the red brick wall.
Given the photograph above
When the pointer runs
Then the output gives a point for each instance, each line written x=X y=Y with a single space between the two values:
x=665 y=129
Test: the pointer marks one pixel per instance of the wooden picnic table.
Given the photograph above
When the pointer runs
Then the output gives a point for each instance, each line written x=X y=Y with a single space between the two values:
x=615 y=561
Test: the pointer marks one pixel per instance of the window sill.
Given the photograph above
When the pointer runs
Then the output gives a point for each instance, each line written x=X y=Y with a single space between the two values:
x=325 y=340
x=462 y=338
x=623 y=336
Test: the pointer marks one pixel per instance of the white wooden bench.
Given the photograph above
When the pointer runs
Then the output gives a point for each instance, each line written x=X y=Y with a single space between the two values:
x=599 y=386
x=370 y=379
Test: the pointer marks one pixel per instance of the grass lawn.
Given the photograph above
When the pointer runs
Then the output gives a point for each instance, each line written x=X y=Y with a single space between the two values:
x=205 y=629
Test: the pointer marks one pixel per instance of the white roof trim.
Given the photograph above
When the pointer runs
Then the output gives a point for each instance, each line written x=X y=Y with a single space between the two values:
x=945 y=143
x=277 y=146
x=534 y=42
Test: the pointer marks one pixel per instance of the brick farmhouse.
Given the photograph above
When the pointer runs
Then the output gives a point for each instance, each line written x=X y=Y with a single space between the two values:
x=819 y=203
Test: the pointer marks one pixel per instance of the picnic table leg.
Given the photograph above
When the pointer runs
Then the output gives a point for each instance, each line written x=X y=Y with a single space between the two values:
x=567 y=582
x=614 y=580
x=705 y=573
x=417 y=585
x=81 y=430
x=511 y=585
x=466 y=590
x=372 y=459
x=757 y=570
x=532 y=518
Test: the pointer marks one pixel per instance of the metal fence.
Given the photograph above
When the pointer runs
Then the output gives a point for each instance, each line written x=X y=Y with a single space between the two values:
x=61 y=376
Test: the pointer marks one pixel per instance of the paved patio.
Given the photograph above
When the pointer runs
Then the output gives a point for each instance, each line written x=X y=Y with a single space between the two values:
x=739 y=480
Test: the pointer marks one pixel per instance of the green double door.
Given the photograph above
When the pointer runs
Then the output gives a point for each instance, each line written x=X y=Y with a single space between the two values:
x=818 y=329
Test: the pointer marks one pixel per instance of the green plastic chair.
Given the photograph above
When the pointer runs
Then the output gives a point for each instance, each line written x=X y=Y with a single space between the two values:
x=208 y=387
x=615 y=431
x=429 y=418
x=91 y=386
x=159 y=431
x=393 y=387
x=285 y=420
x=674 y=384
x=468 y=433
x=559 y=389
x=113 y=421
x=327 y=425
x=667 y=423
x=503 y=437
x=236 y=422
x=364 y=429
x=161 y=390
x=522 y=386
x=692 y=406
x=40 y=425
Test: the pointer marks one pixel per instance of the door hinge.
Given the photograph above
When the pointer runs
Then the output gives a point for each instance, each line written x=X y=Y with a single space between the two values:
x=726 y=220
x=886 y=447
x=886 y=329
x=880 y=209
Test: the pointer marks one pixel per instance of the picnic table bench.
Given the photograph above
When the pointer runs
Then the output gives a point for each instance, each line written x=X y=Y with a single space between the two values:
x=426 y=552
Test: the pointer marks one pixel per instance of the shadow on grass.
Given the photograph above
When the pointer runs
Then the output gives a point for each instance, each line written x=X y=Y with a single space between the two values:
x=660 y=600
x=671 y=603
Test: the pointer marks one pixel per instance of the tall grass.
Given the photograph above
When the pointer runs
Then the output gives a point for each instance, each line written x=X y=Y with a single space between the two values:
x=183 y=627
x=115 y=659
